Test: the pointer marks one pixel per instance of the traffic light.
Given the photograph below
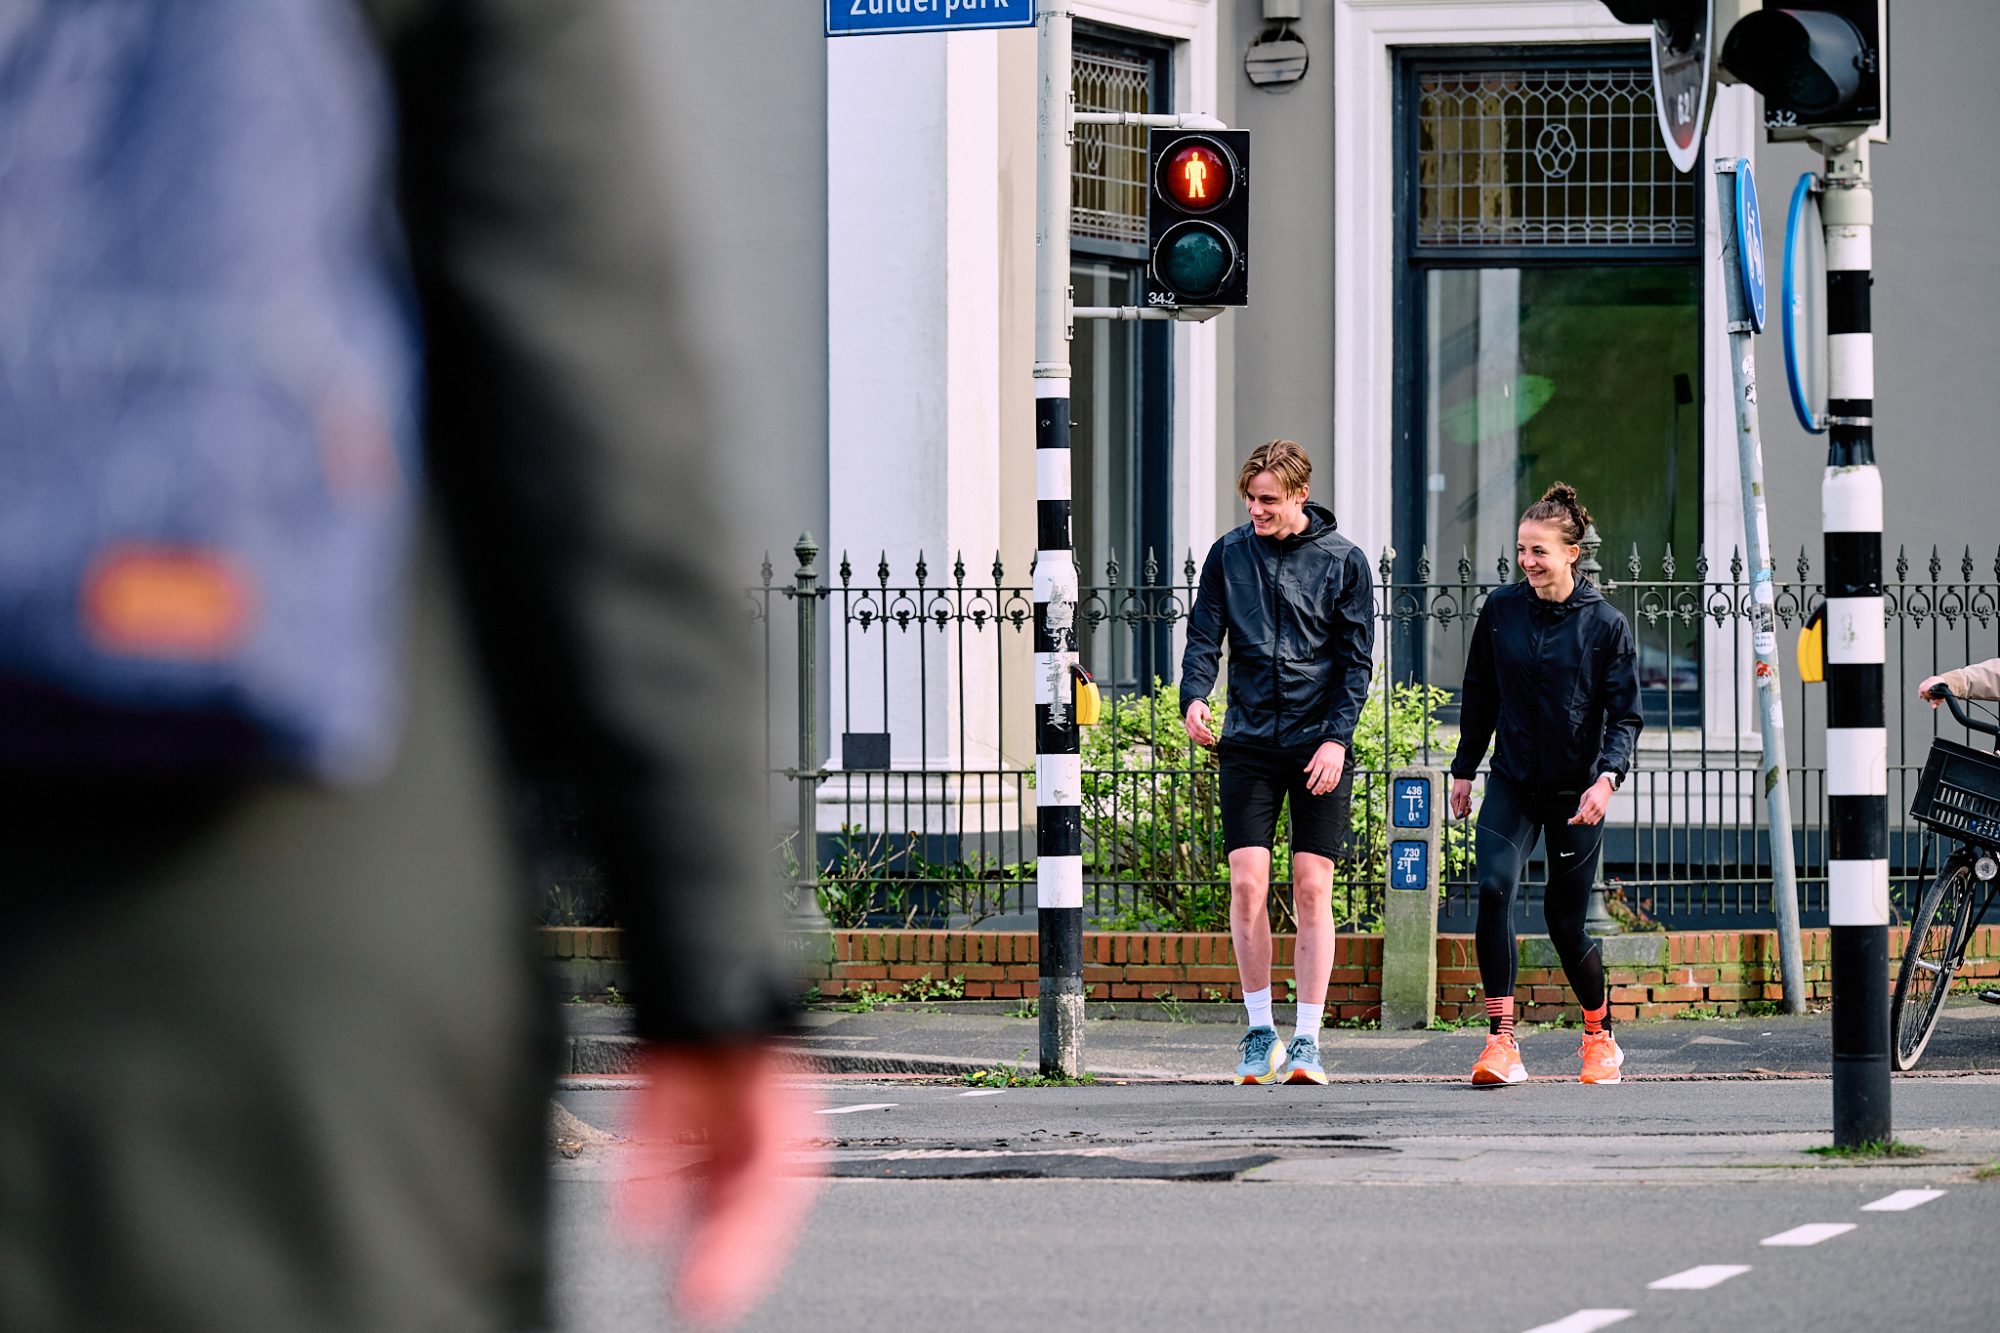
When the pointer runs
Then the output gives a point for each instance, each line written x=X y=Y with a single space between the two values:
x=1198 y=217
x=1820 y=64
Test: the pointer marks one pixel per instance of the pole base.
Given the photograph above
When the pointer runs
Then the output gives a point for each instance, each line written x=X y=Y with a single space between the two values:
x=1061 y=1012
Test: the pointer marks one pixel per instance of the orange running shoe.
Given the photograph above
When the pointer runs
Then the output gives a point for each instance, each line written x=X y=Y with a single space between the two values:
x=1601 y=1057
x=1499 y=1063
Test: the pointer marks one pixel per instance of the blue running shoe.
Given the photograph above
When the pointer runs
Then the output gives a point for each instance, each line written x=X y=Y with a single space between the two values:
x=1302 y=1061
x=1263 y=1058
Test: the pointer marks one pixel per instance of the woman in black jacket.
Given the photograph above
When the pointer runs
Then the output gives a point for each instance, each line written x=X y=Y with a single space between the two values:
x=1552 y=670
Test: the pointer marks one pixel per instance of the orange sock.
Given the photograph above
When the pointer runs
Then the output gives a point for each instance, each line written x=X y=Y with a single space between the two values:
x=1593 y=1019
x=1500 y=1016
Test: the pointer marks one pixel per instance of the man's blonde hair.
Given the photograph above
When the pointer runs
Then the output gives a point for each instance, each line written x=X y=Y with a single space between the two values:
x=1284 y=459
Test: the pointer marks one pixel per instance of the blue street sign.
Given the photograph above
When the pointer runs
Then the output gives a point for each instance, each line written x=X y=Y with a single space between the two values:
x=1750 y=243
x=866 y=18
x=1411 y=805
x=1805 y=305
x=1409 y=865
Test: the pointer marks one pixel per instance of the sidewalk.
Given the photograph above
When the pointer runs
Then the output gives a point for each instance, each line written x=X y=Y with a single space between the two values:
x=1197 y=1043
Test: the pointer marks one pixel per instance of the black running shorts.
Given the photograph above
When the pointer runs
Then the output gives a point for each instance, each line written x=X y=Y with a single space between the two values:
x=1256 y=780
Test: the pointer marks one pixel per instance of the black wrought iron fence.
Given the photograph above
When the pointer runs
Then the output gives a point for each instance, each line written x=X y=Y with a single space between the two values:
x=922 y=808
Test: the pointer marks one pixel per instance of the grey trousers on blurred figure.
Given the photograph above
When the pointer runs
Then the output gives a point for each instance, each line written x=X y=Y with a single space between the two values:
x=275 y=1060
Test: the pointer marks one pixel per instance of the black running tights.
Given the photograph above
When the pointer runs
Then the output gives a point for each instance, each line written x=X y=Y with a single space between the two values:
x=1509 y=819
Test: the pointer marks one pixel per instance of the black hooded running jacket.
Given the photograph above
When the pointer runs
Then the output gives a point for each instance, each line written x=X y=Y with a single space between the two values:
x=1558 y=681
x=1299 y=612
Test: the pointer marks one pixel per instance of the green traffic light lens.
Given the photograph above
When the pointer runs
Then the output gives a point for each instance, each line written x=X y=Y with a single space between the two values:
x=1194 y=259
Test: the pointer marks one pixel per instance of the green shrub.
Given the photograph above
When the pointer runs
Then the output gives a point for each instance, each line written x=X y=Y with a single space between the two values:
x=1152 y=821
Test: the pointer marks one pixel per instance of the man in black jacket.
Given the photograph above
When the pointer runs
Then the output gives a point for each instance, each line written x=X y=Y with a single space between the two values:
x=1296 y=602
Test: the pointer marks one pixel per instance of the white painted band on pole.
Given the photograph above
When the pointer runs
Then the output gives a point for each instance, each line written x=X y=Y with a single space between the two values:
x=1850 y=249
x=1055 y=577
x=1855 y=635
x=1850 y=365
x=1050 y=668
x=1857 y=893
x=1052 y=386
x=1059 y=881
x=1052 y=480
x=1857 y=761
x=1850 y=498
x=1058 y=779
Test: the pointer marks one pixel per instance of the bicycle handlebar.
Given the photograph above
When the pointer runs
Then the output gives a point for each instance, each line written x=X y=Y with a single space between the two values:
x=1943 y=691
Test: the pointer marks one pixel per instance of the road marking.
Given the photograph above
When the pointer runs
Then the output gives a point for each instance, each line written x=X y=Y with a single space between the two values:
x=983 y=1092
x=1901 y=1201
x=1699 y=1278
x=1584 y=1321
x=1812 y=1233
x=850 y=1110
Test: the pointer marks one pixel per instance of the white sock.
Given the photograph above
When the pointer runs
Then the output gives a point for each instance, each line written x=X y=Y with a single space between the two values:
x=1258 y=1002
x=1310 y=1017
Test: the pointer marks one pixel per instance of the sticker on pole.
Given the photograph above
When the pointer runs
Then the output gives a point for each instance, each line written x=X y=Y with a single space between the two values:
x=1750 y=244
x=868 y=18
x=1804 y=299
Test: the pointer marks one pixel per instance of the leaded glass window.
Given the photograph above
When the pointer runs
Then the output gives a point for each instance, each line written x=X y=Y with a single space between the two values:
x=1545 y=157
x=1108 y=162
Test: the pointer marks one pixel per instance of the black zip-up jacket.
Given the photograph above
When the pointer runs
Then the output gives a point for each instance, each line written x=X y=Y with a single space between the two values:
x=1299 y=613
x=1558 y=681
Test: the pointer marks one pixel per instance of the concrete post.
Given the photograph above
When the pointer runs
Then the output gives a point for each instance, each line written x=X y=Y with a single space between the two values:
x=1410 y=902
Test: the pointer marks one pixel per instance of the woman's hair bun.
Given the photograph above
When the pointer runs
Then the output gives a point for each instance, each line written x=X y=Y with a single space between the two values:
x=1559 y=505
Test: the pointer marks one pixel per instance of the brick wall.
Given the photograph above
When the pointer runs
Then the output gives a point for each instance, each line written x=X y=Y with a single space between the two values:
x=1721 y=969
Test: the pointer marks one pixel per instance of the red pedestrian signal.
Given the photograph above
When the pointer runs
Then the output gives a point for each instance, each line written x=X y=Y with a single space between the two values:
x=1197 y=177
x=1198 y=217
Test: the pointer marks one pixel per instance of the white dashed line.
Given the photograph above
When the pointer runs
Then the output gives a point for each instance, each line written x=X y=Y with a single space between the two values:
x=1901 y=1201
x=983 y=1092
x=1584 y=1321
x=1700 y=1278
x=850 y=1110
x=1812 y=1233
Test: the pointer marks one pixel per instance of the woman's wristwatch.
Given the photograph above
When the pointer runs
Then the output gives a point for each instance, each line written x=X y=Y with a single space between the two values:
x=1616 y=781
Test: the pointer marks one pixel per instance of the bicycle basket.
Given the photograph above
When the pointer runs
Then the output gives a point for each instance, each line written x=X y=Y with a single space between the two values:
x=1959 y=793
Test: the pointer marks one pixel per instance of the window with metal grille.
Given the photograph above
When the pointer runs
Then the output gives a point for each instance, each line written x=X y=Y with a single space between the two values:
x=1544 y=158
x=1108 y=162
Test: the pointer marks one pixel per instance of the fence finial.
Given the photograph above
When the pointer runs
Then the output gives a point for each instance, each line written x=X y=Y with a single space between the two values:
x=1586 y=564
x=806 y=549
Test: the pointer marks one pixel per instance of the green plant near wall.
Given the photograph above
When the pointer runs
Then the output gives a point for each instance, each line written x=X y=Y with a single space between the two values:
x=1152 y=810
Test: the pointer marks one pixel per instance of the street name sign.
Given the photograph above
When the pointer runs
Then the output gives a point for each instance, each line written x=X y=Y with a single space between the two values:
x=871 y=18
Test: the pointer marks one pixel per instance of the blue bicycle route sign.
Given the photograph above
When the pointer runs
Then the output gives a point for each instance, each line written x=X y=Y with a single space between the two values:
x=868 y=18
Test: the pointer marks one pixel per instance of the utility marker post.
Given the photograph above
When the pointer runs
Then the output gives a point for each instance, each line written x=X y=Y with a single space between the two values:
x=1743 y=280
x=1857 y=745
x=1058 y=763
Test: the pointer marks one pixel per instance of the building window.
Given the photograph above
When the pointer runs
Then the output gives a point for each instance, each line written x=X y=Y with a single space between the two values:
x=1120 y=390
x=1550 y=330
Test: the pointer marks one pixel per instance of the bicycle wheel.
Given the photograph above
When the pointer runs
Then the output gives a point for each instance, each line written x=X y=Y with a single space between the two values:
x=1936 y=934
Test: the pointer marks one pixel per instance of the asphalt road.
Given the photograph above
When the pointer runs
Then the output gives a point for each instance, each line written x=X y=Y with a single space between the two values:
x=1412 y=1206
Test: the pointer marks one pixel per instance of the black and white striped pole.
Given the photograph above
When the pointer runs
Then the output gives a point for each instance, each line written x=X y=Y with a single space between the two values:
x=1857 y=748
x=1058 y=765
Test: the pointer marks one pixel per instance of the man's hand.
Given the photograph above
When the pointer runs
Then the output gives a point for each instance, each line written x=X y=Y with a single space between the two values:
x=1461 y=797
x=1198 y=723
x=1924 y=690
x=1590 y=810
x=1323 y=772
x=736 y=1211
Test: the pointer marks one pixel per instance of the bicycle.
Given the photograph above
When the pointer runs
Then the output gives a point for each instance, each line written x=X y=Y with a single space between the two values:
x=1958 y=796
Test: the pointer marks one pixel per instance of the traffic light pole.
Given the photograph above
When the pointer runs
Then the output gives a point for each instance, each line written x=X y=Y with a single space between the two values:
x=1857 y=750
x=1058 y=764
x=1763 y=592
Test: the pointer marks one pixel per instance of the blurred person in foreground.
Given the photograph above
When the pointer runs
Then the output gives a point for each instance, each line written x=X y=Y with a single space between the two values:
x=274 y=1054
